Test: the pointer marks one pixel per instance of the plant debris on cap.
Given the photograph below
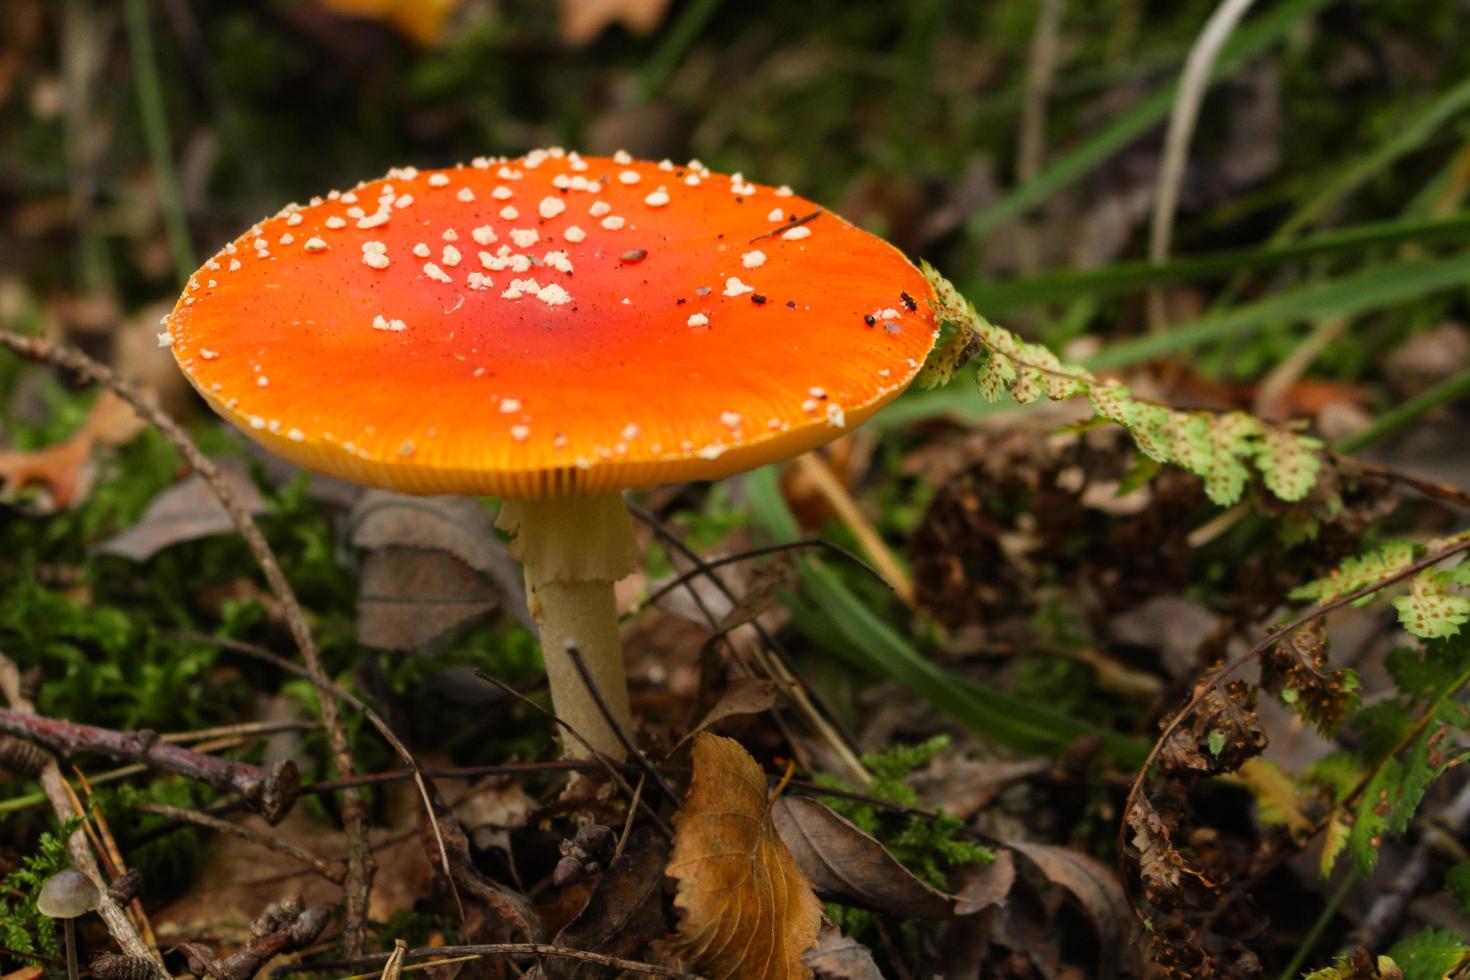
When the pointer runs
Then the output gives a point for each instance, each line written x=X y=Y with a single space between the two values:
x=501 y=327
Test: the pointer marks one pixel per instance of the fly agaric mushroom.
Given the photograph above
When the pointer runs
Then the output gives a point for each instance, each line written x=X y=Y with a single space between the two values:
x=553 y=330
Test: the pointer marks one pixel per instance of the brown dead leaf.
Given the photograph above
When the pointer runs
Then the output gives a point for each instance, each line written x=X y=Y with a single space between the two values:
x=583 y=20
x=64 y=470
x=748 y=912
x=839 y=957
x=433 y=563
x=624 y=913
x=745 y=696
x=1095 y=888
x=492 y=911
x=186 y=511
x=458 y=525
x=843 y=861
x=408 y=596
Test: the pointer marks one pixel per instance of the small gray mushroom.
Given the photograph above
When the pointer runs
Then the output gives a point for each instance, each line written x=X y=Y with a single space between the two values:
x=65 y=896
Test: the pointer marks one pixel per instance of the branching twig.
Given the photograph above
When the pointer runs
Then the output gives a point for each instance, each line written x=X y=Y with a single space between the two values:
x=354 y=813
x=270 y=794
x=331 y=690
x=118 y=923
x=284 y=926
x=333 y=872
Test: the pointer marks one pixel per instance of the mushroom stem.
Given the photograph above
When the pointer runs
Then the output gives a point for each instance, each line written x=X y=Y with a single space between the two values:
x=573 y=550
x=70 y=928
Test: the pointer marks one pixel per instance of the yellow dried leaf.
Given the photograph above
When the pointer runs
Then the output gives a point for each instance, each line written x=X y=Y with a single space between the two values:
x=1276 y=796
x=747 y=910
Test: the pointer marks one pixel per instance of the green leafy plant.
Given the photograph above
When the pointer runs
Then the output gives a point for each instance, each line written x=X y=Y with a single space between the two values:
x=22 y=928
x=927 y=846
x=1219 y=447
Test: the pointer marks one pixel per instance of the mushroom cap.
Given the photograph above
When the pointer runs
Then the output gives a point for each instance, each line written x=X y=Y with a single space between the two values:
x=67 y=894
x=550 y=325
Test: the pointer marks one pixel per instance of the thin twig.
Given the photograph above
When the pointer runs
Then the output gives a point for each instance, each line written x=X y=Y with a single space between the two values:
x=816 y=469
x=331 y=690
x=494 y=949
x=271 y=794
x=1182 y=118
x=793 y=223
x=575 y=655
x=354 y=812
x=1433 y=489
x=123 y=772
x=118 y=923
x=598 y=761
x=821 y=718
x=333 y=872
x=115 y=857
x=252 y=728
x=710 y=564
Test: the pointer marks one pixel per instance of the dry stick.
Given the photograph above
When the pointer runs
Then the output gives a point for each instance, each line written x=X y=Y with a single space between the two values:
x=1443 y=492
x=1433 y=489
x=710 y=564
x=328 y=691
x=578 y=765
x=597 y=762
x=793 y=223
x=1041 y=68
x=269 y=793
x=113 y=775
x=243 y=728
x=575 y=655
x=135 y=905
x=822 y=719
x=118 y=923
x=816 y=469
x=334 y=873
x=354 y=813
x=1182 y=119
x=495 y=949
x=628 y=820
x=1278 y=381
x=1273 y=637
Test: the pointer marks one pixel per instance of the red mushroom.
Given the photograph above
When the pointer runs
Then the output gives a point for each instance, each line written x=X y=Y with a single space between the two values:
x=553 y=330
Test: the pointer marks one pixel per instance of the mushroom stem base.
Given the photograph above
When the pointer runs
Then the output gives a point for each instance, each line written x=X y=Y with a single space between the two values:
x=573 y=551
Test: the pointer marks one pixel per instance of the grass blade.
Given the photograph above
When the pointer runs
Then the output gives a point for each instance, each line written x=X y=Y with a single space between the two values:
x=995 y=298
x=1252 y=40
x=838 y=620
